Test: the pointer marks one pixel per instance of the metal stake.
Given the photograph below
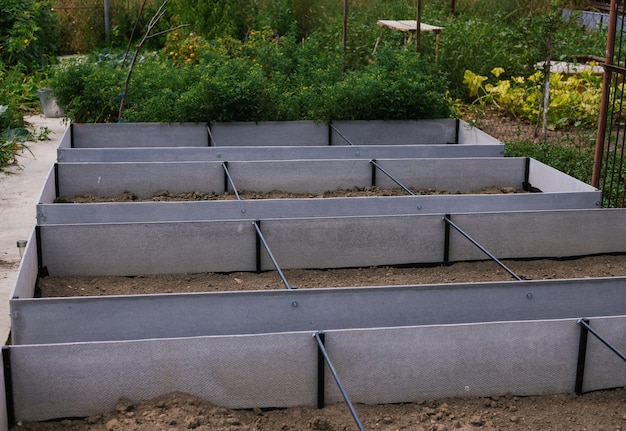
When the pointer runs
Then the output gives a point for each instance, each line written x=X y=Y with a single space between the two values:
x=230 y=180
x=484 y=250
x=269 y=252
x=341 y=134
x=373 y=162
x=322 y=349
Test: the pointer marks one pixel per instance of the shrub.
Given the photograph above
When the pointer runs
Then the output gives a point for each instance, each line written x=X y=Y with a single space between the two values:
x=28 y=33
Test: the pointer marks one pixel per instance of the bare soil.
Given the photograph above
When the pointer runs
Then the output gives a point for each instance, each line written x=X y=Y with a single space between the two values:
x=600 y=411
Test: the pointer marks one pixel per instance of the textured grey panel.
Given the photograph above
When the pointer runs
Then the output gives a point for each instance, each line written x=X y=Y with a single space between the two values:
x=112 y=135
x=471 y=135
x=143 y=179
x=255 y=209
x=269 y=133
x=540 y=234
x=66 y=139
x=430 y=362
x=548 y=179
x=48 y=191
x=67 y=380
x=603 y=368
x=148 y=248
x=301 y=176
x=464 y=175
x=109 y=318
x=394 y=132
x=366 y=152
x=353 y=241
x=27 y=272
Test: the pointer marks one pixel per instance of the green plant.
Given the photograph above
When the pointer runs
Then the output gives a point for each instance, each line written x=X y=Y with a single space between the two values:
x=574 y=100
x=28 y=33
x=574 y=161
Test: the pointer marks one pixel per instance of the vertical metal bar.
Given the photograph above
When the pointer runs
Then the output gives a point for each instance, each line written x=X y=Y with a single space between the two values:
x=258 y=248
x=228 y=179
x=321 y=348
x=72 y=135
x=42 y=271
x=56 y=180
x=8 y=385
x=446 y=241
x=604 y=104
x=321 y=374
x=373 y=181
x=582 y=355
x=373 y=162
x=457 y=130
x=269 y=252
x=484 y=250
x=526 y=183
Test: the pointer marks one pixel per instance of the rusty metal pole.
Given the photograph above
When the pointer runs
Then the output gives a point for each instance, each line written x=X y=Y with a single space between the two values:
x=604 y=104
x=418 y=25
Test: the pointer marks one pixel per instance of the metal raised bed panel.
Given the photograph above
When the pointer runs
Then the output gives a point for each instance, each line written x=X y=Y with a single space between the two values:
x=274 y=133
x=133 y=317
x=110 y=135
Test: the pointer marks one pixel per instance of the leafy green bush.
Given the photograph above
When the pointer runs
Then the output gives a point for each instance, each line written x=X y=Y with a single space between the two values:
x=28 y=33
x=574 y=161
x=264 y=78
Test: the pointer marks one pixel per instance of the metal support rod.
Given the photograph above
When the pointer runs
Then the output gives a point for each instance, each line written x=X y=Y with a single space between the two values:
x=373 y=162
x=320 y=346
x=584 y=323
x=230 y=180
x=211 y=140
x=321 y=374
x=340 y=134
x=484 y=250
x=582 y=357
x=269 y=252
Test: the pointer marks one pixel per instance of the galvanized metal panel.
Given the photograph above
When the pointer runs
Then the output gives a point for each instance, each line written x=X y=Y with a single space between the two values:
x=472 y=135
x=353 y=241
x=77 y=380
x=114 y=135
x=394 y=132
x=142 y=179
x=453 y=175
x=234 y=153
x=66 y=139
x=539 y=234
x=48 y=192
x=255 y=209
x=433 y=362
x=148 y=248
x=300 y=176
x=132 y=317
x=27 y=273
x=269 y=133
x=548 y=179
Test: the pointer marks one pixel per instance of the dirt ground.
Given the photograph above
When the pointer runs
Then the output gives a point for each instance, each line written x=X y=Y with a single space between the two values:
x=600 y=411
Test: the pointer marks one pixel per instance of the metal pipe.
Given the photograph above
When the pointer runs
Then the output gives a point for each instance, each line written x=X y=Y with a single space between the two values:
x=230 y=180
x=211 y=140
x=484 y=250
x=321 y=348
x=584 y=324
x=269 y=252
x=340 y=134
x=604 y=104
x=373 y=162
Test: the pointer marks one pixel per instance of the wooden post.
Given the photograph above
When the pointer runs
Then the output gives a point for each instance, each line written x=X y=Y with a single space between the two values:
x=418 y=26
x=452 y=6
x=345 y=25
x=107 y=20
